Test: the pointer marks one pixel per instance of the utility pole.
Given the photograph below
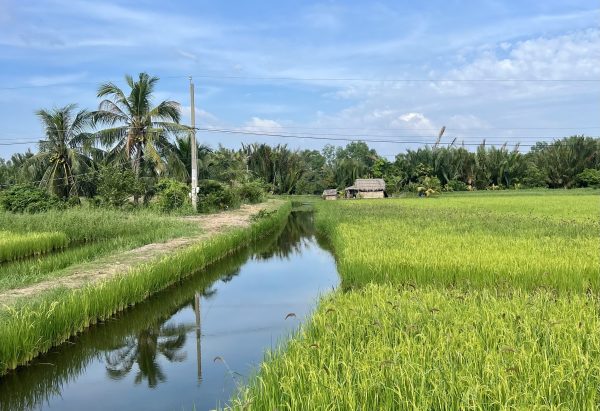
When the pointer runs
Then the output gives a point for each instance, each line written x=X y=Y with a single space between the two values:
x=194 y=149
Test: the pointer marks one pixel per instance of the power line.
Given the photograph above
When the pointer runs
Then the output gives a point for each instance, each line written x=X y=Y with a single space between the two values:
x=332 y=79
x=370 y=140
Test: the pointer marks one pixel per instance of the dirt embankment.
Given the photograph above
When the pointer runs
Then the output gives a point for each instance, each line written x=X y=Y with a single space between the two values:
x=119 y=264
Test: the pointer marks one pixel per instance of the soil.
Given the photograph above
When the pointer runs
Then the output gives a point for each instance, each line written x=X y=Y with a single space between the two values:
x=119 y=264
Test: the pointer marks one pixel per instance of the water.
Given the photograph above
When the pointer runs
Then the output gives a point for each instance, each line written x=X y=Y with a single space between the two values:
x=191 y=345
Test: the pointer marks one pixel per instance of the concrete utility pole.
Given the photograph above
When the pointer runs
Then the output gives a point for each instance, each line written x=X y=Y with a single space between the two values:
x=194 y=149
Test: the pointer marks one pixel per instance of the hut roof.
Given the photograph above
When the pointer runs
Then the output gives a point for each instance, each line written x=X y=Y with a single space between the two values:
x=369 y=184
x=330 y=192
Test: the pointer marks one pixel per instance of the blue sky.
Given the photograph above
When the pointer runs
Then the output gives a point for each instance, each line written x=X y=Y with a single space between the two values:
x=57 y=52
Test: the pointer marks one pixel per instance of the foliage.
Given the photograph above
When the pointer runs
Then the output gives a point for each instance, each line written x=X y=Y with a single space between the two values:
x=24 y=198
x=589 y=178
x=456 y=185
x=137 y=131
x=251 y=192
x=116 y=184
x=214 y=196
x=63 y=154
x=172 y=195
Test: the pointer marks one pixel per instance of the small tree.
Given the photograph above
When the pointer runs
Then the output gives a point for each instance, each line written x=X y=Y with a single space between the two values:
x=116 y=184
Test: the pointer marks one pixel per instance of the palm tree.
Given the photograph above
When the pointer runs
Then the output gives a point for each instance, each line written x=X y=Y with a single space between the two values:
x=183 y=150
x=137 y=131
x=63 y=154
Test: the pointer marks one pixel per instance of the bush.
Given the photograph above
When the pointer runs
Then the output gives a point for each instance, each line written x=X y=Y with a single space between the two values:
x=251 y=192
x=24 y=198
x=215 y=196
x=116 y=184
x=172 y=195
x=456 y=185
x=588 y=178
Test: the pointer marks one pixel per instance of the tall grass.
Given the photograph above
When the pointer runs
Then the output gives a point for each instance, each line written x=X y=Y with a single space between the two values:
x=30 y=329
x=380 y=348
x=14 y=246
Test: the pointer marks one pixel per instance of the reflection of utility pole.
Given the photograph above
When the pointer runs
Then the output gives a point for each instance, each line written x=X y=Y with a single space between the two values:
x=198 y=335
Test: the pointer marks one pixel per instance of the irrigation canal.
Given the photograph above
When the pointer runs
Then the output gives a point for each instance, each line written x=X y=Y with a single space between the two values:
x=190 y=346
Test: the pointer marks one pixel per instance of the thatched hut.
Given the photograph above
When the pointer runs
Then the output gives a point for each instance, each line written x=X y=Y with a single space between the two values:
x=330 y=194
x=366 y=188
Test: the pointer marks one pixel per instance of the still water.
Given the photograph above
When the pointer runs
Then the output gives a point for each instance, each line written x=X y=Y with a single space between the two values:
x=192 y=345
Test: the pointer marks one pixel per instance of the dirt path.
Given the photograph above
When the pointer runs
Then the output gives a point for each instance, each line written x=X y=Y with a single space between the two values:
x=119 y=264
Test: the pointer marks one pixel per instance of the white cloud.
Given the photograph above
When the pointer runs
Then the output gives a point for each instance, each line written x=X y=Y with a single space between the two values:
x=262 y=124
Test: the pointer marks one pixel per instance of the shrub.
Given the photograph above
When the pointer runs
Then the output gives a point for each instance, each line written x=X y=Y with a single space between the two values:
x=172 y=194
x=215 y=196
x=24 y=198
x=455 y=185
x=116 y=184
x=251 y=192
x=588 y=178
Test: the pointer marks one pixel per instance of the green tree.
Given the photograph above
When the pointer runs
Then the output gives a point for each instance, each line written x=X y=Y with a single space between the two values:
x=136 y=130
x=63 y=154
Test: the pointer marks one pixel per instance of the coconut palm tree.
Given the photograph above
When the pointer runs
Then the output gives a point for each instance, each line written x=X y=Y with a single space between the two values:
x=136 y=130
x=63 y=154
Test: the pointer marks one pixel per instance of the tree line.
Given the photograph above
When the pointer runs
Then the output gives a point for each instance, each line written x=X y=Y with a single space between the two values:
x=130 y=146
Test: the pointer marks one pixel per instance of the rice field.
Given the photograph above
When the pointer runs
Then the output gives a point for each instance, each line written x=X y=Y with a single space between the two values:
x=482 y=241
x=86 y=234
x=384 y=348
x=481 y=302
x=14 y=246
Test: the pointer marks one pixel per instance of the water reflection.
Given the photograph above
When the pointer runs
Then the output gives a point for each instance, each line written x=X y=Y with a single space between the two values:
x=143 y=349
x=159 y=342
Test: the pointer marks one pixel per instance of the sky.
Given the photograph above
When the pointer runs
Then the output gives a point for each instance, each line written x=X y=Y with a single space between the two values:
x=377 y=70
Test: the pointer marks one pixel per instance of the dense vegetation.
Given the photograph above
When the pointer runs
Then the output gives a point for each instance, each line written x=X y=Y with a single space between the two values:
x=485 y=301
x=129 y=147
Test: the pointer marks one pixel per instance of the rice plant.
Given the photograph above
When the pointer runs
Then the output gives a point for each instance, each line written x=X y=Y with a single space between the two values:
x=384 y=348
x=14 y=246
x=519 y=241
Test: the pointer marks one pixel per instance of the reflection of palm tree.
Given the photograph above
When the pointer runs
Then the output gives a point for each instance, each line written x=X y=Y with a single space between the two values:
x=143 y=350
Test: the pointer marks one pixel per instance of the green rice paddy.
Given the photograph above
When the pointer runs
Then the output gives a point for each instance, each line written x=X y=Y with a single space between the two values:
x=483 y=302
x=14 y=246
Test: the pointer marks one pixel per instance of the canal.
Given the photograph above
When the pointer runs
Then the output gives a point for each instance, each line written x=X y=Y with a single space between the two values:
x=191 y=346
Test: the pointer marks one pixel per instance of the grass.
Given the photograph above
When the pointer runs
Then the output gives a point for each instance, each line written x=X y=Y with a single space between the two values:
x=482 y=302
x=30 y=329
x=129 y=230
x=14 y=246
